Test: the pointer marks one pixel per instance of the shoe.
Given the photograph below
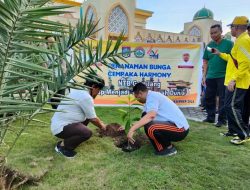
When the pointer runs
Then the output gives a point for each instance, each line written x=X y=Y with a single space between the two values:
x=67 y=153
x=228 y=134
x=220 y=123
x=208 y=120
x=167 y=152
x=238 y=141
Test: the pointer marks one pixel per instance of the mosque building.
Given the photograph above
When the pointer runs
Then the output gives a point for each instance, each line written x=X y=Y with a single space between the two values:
x=123 y=15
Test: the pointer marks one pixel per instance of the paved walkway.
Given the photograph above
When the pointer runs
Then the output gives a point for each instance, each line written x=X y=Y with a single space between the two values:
x=195 y=114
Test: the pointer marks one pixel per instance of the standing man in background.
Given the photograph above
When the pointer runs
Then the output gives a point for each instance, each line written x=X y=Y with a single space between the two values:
x=214 y=75
x=246 y=110
x=237 y=80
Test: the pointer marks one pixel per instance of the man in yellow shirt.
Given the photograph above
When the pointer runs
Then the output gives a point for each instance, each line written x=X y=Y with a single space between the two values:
x=237 y=80
x=246 y=111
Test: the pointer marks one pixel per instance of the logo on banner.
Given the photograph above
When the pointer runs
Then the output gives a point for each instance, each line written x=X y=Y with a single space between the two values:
x=126 y=52
x=153 y=53
x=139 y=52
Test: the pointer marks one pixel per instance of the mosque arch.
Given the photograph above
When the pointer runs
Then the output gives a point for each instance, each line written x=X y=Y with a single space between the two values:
x=178 y=39
x=150 y=39
x=159 y=39
x=91 y=12
x=138 y=37
x=169 y=40
x=117 y=21
x=195 y=31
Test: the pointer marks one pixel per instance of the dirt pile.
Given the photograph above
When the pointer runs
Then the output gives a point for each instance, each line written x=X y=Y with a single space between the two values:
x=112 y=130
x=119 y=136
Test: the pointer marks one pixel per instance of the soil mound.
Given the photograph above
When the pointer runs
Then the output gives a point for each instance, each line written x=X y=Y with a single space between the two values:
x=122 y=142
x=112 y=130
x=120 y=138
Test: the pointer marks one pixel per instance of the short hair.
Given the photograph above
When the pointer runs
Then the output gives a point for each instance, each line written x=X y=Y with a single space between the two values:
x=140 y=87
x=216 y=26
x=96 y=82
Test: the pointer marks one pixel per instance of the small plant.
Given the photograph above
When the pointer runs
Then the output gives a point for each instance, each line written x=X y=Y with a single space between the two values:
x=129 y=115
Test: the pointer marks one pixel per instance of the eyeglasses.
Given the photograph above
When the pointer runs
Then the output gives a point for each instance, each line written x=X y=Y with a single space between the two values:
x=232 y=26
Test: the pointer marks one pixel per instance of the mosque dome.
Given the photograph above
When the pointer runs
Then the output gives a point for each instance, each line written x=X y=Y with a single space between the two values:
x=204 y=13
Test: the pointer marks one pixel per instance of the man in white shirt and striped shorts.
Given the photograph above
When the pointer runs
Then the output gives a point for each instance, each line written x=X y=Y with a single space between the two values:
x=163 y=121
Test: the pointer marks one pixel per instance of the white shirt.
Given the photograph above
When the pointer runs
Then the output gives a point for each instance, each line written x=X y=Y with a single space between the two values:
x=77 y=110
x=166 y=109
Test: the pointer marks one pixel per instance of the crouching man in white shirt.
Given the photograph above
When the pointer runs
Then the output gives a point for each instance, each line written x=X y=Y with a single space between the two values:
x=70 y=124
x=163 y=121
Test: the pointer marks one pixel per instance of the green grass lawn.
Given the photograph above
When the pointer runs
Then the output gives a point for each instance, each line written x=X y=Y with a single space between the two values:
x=205 y=160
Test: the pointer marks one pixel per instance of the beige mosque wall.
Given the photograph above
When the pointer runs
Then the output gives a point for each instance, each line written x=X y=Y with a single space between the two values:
x=204 y=25
x=163 y=37
x=103 y=9
x=136 y=22
x=71 y=17
x=140 y=23
x=141 y=17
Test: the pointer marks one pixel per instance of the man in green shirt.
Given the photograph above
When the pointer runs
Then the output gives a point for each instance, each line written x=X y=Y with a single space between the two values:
x=214 y=75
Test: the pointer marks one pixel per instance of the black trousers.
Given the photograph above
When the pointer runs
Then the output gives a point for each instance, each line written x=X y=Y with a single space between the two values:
x=161 y=134
x=246 y=109
x=234 y=103
x=215 y=87
x=74 y=134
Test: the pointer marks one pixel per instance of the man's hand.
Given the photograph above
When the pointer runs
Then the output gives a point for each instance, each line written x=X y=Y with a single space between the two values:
x=130 y=136
x=103 y=127
x=97 y=122
x=215 y=51
x=231 y=85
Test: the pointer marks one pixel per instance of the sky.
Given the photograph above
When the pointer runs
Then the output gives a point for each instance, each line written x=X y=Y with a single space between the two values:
x=170 y=15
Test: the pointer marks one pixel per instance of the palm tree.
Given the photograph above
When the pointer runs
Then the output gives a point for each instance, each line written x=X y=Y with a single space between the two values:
x=26 y=83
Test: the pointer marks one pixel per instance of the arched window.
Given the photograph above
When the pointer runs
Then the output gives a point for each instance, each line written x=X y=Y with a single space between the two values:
x=118 y=21
x=178 y=39
x=91 y=13
x=159 y=39
x=138 y=37
x=195 y=31
x=186 y=39
x=169 y=40
x=149 y=39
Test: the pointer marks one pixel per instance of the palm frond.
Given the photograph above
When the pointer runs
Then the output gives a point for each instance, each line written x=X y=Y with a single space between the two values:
x=30 y=73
